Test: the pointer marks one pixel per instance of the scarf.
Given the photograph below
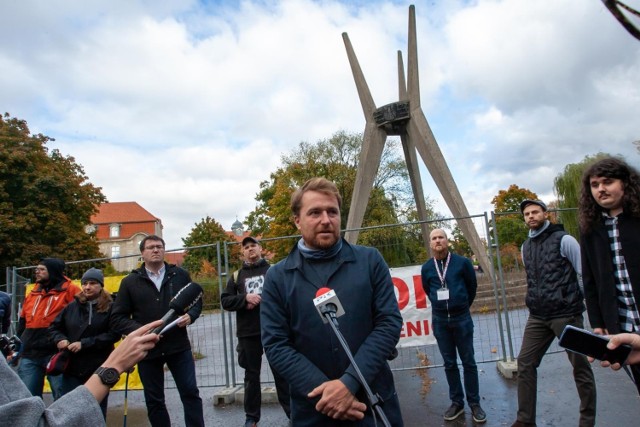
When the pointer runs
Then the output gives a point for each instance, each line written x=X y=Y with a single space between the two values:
x=319 y=253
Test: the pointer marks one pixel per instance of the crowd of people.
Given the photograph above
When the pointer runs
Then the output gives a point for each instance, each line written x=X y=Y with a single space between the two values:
x=318 y=383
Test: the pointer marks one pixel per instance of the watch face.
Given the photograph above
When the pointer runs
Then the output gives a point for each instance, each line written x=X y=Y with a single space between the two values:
x=109 y=376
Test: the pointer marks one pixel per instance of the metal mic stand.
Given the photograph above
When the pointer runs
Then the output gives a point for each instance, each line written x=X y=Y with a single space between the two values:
x=375 y=400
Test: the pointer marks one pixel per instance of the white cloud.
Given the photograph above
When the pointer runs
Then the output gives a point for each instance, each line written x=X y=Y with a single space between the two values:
x=185 y=107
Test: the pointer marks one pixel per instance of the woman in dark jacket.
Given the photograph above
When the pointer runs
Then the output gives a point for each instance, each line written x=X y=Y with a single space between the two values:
x=82 y=328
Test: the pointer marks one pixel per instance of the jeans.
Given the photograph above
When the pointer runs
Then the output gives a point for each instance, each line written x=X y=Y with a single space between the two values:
x=250 y=359
x=538 y=336
x=69 y=383
x=455 y=337
x=183 y=370
x=32 y=373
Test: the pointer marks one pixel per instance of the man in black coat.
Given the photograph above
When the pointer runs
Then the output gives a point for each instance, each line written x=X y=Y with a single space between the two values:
x=610 y=242
x=243 y=295
x=144 y=296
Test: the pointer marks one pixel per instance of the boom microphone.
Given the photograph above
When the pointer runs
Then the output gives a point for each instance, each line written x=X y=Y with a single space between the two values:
x=327 y=303
x=182 y=302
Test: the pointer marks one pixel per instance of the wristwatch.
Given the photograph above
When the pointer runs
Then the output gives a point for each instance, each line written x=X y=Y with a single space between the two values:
x=108 y=376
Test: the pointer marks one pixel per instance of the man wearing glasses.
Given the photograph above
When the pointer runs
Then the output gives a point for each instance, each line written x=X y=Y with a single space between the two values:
x=144 y=296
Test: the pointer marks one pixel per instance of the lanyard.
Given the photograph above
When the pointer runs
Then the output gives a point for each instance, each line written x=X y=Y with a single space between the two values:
x=442 y=274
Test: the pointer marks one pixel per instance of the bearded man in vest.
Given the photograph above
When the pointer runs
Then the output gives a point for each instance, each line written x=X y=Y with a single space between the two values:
x=554 y=297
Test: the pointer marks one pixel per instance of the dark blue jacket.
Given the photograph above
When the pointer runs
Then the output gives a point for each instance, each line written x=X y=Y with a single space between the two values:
x=5 y=312
x=305 y=351
x=461 y=282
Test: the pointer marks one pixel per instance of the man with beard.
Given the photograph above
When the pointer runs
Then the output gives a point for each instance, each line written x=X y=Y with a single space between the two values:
x=52 y=292
x=552 y=261
x=449 y=281
x=609 y=213
x=243 y=295
x=325 y=390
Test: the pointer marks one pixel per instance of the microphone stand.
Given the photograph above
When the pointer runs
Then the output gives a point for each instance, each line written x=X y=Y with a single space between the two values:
x=375 y=400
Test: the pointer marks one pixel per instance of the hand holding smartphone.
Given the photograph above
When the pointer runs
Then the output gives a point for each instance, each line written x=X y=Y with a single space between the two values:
x=592 y=345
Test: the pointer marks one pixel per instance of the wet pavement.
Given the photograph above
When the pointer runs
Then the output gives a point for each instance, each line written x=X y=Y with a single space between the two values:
x=424 y=398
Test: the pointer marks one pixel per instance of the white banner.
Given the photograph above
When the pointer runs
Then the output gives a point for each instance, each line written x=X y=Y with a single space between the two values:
x=414 y=307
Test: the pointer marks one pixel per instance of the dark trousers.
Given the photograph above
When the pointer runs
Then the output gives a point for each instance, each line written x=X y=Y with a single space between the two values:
x=250 y=359
x=538 y=336
x=183 y=370
x=455 y=337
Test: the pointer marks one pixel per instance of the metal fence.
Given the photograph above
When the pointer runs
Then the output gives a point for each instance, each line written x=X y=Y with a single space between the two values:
x=498 y=312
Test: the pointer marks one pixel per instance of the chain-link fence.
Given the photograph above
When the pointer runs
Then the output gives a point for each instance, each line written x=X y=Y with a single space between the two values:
x=499 y=313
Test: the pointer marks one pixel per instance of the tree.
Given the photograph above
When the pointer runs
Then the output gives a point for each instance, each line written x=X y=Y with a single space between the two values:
x=203 y=261
x=336 y=159
x=567 y=186
x=459 y=243
x=509 y=200
x=510 y=226
x=46 y=201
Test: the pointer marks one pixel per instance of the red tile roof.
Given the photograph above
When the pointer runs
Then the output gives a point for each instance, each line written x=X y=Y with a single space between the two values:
x=122 y=212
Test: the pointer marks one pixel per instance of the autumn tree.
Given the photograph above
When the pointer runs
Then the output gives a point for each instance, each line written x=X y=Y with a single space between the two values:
x=46 y=200
x=510 y=226
x=567 y=186
x=337 y=159
x=203 y=261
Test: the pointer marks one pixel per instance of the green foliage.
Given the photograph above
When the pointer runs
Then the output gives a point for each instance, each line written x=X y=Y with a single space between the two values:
x=45 y=200
x=567 y=186
x=511 y=228
x=202 y=262
x=336 y=159
x=459 y=244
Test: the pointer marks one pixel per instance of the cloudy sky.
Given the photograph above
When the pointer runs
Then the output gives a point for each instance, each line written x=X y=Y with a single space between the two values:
x=186 y=106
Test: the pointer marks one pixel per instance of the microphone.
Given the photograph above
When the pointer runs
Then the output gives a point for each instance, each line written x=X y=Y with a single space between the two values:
x=328 y=304
x=182 y=302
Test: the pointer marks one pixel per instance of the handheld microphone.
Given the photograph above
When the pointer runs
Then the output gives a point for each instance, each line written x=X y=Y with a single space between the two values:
x=328 y=304
x=182 y=302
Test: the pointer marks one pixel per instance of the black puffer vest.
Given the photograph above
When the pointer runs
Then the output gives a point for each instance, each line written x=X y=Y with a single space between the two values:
x=552 y=283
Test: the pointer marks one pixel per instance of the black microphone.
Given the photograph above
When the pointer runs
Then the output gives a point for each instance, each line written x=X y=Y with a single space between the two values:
x=182 y=302
x=327 y=303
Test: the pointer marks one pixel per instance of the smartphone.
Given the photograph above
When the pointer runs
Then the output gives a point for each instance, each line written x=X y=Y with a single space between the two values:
x=587 y=343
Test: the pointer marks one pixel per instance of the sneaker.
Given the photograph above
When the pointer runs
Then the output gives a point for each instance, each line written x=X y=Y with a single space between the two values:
x=453 y=412
x=250 y=423
x=479 y=415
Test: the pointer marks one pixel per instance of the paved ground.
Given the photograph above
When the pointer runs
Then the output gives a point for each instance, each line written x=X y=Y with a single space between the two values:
x=424 y=400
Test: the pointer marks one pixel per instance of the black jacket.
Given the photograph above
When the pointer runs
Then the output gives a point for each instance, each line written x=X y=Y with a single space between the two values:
x=97 y=339
x=250 y=280
x=553 y=290
x=139 y=302
x=597 y=271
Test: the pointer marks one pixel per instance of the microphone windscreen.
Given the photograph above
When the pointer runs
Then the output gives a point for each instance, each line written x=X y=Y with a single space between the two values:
x=186 y=298
x=322 y=291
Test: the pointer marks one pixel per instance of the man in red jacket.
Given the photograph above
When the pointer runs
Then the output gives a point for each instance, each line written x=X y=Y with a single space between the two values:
x=52 y=292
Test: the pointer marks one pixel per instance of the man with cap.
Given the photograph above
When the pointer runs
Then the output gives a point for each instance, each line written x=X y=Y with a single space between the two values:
x=554 y=297
x=243 y=295
x=51 y=293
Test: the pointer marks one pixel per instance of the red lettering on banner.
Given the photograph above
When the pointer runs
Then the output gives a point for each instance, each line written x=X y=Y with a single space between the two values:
x=403 y=292
x=421 y=296
x=419 y=328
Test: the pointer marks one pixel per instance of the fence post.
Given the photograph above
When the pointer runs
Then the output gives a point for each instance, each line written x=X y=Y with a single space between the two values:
x=496 y=243
x=495 y=291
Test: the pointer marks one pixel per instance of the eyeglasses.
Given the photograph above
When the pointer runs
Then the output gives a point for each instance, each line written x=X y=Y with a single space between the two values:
x=158 y=247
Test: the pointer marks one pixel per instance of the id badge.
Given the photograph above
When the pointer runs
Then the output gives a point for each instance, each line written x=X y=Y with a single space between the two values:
x=443 y=294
